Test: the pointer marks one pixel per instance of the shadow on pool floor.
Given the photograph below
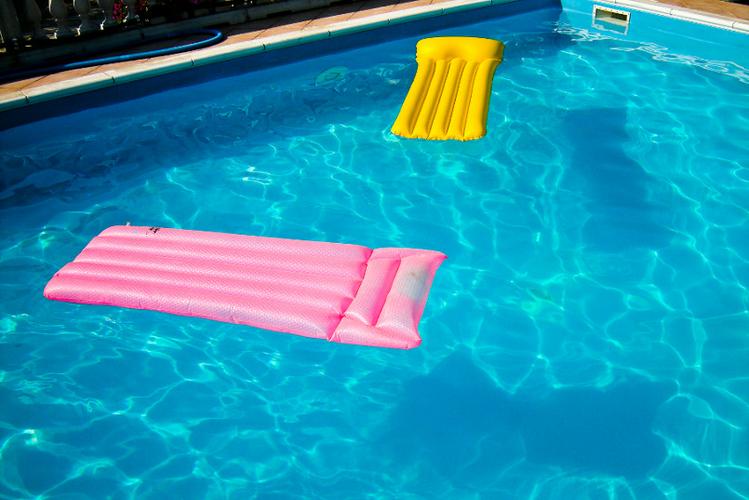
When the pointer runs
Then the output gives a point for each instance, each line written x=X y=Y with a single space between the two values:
x=456 y=416
x=623 y=213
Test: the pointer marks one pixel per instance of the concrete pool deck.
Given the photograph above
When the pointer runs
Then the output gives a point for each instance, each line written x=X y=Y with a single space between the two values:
x=269 y=34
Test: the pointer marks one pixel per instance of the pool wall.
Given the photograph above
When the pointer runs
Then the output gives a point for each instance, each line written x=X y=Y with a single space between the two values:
x=380 y=27
x=666 y=28
x=261 y=59
x=241 y=49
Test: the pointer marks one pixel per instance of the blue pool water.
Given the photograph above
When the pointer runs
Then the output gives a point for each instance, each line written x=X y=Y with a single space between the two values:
x=588 y=337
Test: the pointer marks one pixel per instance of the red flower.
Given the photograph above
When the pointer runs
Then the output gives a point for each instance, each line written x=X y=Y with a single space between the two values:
x=118 y=11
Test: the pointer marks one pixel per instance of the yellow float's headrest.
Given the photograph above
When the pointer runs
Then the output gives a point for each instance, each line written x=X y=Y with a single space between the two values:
x=459 y=47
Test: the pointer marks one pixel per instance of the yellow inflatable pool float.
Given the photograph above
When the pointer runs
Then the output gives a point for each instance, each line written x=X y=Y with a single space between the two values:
x=449 y=97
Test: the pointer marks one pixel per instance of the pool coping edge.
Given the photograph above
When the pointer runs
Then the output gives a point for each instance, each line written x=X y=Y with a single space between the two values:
x=682 y=14
x=221 y=53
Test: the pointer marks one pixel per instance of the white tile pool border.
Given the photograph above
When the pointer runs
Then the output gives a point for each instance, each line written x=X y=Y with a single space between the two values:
x=235 y=50
x=229 y=51
x=683 y=14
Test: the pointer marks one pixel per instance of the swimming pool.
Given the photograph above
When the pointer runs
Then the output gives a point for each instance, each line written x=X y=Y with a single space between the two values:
x=587 y=337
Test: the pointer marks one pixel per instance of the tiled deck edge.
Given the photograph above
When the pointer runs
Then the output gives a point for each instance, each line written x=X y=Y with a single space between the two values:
x=683 y=14
x=230 y=51
x=240 y=49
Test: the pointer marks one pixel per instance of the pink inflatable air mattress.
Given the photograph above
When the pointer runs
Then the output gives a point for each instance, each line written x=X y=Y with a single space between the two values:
x=342 y=293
